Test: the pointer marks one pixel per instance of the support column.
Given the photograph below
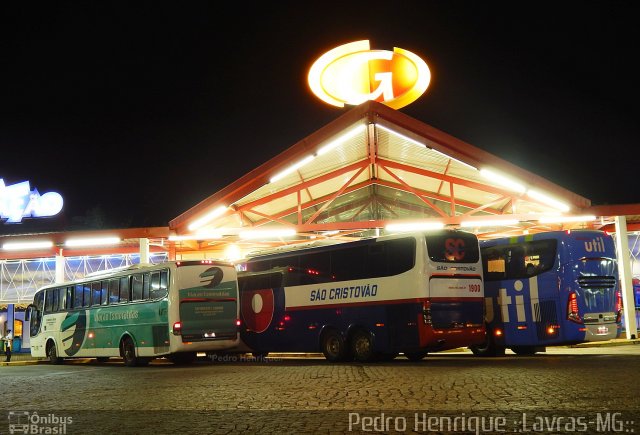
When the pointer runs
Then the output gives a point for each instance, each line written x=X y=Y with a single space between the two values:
x=59 y=267
x=624 y=271
x=144 y=251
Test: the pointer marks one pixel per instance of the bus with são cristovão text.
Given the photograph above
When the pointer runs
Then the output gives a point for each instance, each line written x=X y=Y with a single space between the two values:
x=174 y=309
x=365 y=300
x=550 y=288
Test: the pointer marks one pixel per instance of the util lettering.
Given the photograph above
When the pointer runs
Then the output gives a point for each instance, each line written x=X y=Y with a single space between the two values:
x=596 y=245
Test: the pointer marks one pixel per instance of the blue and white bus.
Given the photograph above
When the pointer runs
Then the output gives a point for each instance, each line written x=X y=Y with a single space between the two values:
x=366 y=300
x=552 y=288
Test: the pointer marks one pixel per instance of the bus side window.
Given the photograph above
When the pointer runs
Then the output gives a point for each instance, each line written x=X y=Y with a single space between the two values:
x=146 y=283
x=69 y=302
x=48 y=304
x=96 y=293
x=136 y=287
x=125 y=295
x=114 y=291
x=62 y=293
x=493 y=265
x=104 y=292
x=158 y=287
x=377 y=263
x=164 y=281
x=515 y=266
x=86 y=290
x=348 y=263
x=77 y=299
x=57 y=299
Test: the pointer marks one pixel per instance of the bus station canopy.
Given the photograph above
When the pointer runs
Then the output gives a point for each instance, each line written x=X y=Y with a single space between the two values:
x=370 y=168
x=373 y=167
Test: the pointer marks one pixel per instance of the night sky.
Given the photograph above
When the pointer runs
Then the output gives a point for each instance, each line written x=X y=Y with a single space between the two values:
x=136 y=112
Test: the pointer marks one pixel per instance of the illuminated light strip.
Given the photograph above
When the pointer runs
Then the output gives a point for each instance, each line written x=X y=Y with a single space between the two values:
x=17 y=246
x=342 y=139
x=290 y=169
x=503 y=181
x=561 y=219
x=265 y=234
x=548 y=200
x=489 y=223
x=207 y=218
x=196 y=236
x=415 y=142
x=415 y=226
x=330 y=233
x=92 y=241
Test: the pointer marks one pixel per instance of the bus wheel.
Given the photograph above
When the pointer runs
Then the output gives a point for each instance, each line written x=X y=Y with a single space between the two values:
x=524 y=350
x=416 y=356
x=488 y=348
x=333 y=345
x=52 y=353
x=362 y=346
x=128 y=351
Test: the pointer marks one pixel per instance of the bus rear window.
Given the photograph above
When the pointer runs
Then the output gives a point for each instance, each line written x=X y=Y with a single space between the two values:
x=453 y=247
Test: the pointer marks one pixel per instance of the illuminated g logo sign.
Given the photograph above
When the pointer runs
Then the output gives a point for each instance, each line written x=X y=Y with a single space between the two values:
x=352 y=74
x=454 y=249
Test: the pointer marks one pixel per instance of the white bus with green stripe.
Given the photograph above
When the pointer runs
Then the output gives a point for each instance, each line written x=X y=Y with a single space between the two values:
x=175 y=310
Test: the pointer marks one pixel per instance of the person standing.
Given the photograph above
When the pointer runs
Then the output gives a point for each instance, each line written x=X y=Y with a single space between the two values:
x=8 y=339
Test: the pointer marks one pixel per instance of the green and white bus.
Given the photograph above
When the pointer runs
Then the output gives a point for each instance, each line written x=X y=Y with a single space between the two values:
x=174 y=309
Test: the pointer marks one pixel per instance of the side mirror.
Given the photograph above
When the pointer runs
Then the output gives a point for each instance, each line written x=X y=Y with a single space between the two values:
x=27 y=313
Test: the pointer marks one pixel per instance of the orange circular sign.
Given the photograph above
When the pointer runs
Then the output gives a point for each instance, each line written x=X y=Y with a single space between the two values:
x=352 y=74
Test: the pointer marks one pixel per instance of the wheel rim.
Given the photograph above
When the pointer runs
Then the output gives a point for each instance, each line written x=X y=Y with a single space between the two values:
x=333 y=346
x=362 y=346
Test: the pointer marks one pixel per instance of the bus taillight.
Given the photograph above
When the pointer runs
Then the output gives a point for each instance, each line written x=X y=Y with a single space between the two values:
x=177 y=328
x=238 y=322
x=572 y=308
x=618 y=306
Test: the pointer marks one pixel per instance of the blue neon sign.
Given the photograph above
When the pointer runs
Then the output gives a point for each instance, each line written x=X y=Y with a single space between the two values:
x=18 y=201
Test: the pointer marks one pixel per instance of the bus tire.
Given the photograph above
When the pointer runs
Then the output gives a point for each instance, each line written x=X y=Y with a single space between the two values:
x=416 y=356
x=362 y=346
x=52 y=353
x=128 y=352
x=488 y=348
x=524 y=350
x=334 y=348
